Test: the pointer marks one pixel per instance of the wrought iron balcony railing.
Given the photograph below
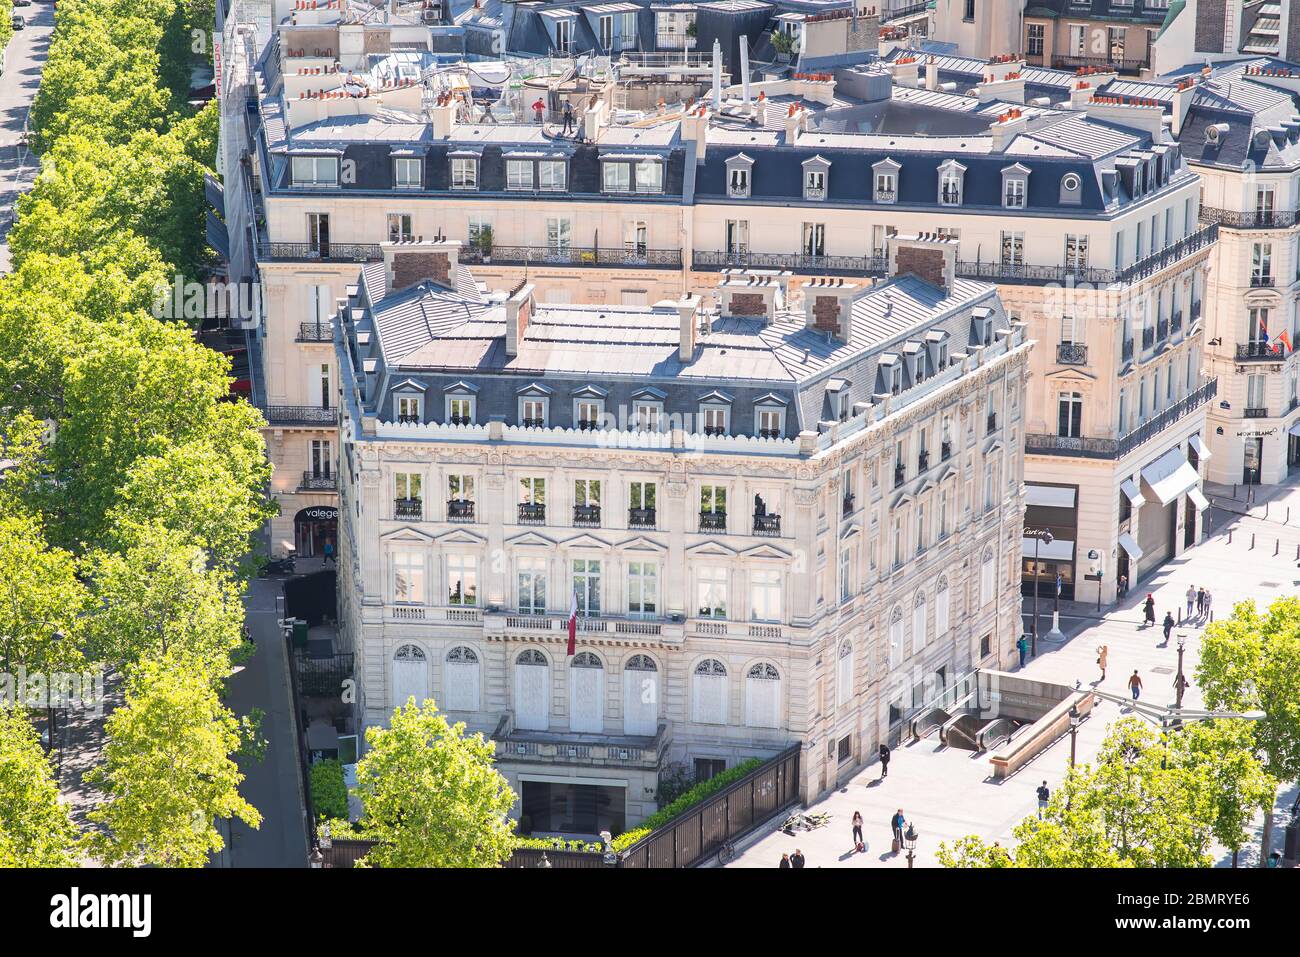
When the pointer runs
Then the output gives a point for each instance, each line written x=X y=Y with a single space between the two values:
x=531 y=513
x=744 y=258
x=767 y=524
x=713 y=521
x=1253 y=219
x=1072 y=353
x=315 y=332
x=620 y=256
x=299 y=415
x=460 y=510
x=408 y=508
x=322 y=252
x=587 y=516
x=1261 y=351
x=318 y=482
x=1256 y=412
x=640 y=518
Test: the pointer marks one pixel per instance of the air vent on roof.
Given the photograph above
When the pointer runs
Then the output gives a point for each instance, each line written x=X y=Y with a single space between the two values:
x=1215 y=134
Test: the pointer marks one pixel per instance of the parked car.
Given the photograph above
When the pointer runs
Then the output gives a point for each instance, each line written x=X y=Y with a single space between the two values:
x=19 y=22
x=22 y=3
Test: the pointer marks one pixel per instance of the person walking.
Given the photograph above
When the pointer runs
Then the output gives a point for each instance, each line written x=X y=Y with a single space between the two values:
x=1022 y=646
x=1102 y=653
x=1149 y=610
x=1191 y=599
x=1209 y=604
x=1044 y=795
x=1169 y=624
x=569 y=123
x=857 y=831
x=328 y=552
x=1123 y=585
x=884 y=761
x=785 y=862
x=796 y=860
x=896 y=825
x=1135 y=684
x=1200 y=602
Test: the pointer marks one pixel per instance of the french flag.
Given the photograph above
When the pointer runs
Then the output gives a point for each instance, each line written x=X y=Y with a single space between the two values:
x=573 y=623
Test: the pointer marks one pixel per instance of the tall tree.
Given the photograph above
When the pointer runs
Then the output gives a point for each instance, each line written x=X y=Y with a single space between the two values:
x=431 y=794
x=1252 y=661
x=35 y=830
x=41 y=600
x=168 y=775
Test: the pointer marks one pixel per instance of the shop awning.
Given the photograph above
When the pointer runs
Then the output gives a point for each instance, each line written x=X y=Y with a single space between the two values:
x=1202 y=450
x=1049 y=496
x=1198 y=499
x=1295 y=427
x=1132 y=493
x=1059 y=551
x=1127 y=543
x=1170 y=476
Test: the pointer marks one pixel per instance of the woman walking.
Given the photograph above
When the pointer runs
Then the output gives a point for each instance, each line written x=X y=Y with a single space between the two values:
x=1102 y=654
x=1149 y=609
x=857 y=831
x=1169 y=625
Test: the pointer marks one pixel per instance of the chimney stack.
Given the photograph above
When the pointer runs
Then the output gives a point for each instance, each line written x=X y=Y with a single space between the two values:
x=828 y=306
x=519 y=310
x=414 y=261
x=748 y=296
x=928 y=256
x=932 y=74
x=688 y=311
x=442 y=116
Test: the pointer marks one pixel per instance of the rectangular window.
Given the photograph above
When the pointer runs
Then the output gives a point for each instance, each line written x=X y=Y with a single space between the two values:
x=738 y=182
x=642 y=589
x=409 y=408
x=641 y=495
x=1013 y=194
x=460 y=488
x=407 y=487
x=532 y=491
x=551 y=175
x=406 y=173
x=408 y=577
x=765 y=594
x=531 y=580
x=1034 y=39
x=464 y=173
x=399 y=228
x=649 y=176
x=647 y=416
x=814 y=239
x=1069 y=414
x=462 y=580
x=586 y=492
x=460 y=411
x=519 y=174
x=315 y=171
x=1076 y=251
x=586 y=585
x=737 y=236
x=1013 y=249
x=559 y=235
x=712 y=590
x=846 y=573
x=713 y=499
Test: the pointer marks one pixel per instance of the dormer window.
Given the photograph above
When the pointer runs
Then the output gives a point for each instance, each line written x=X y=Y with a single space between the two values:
x=588 y=407
x=410 y=408
x=890 y=374
x=739 y=169
x=649 y=176
x=951 y=175
x=534 y=406
x=769 y=417
x=552 y=176
x=1071 y=189
x=983 y=331
x=461 y=403
x=1015 y=186
x=519 y=174
x=464 y=172
x=647 y=410
x=815 y=172
x=406 y=172
x=715 y=413
x=837 y=394
x=315 y=170
x=886 y=181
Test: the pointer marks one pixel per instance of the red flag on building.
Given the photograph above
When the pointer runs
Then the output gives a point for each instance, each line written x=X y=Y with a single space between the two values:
x=573 y=624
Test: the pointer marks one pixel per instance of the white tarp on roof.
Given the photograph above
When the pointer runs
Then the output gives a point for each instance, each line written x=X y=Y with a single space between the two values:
x=1202 y=450
x=1049 y=496
x=1126 y=542
x=1170 y=476
x=1059 y=550
x=1198 y=499
x=1132 y=493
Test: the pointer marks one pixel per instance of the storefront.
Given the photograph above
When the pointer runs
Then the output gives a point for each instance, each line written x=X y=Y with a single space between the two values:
x=313 y=527
x=1293 y=446
x=1164 y=482
x=1050 y=509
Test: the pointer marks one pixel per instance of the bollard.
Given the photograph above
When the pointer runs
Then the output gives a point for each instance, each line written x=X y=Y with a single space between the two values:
x=1252 y=540
x=1297 y=547
x=1234 y=489
x=1266 y=509
x=1287 y=520
x=1277 y=546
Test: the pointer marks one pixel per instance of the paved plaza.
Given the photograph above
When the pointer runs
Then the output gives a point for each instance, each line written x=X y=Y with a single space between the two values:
x=948 y=793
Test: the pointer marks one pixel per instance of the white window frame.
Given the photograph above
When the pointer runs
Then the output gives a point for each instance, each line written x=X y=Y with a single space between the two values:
x=323 y=171
x=464 y=173
x=407 y=164
x=766 y=595
x=515 y=175
x=454 y=402
x=415 y=565
x=462 y=569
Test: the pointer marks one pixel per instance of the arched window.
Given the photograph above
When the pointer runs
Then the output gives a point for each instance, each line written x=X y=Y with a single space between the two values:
x=986 y=578
x=709 y=692
x=941 y=608
x=586 y=693
x=410 y=676
x=460 y=681
x=896 y=637
x=919 y=636
x=532 y=691
x=844 y=675
x=640 y=696
x=763 y=696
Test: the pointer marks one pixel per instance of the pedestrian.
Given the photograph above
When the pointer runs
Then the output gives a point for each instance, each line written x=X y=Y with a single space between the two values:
x=328 y=552
x=1102 y=654
x=896 y=825
x=1149 y=610
x=785 y=862
x=796 y=860
x=857 y=831
x=1200 y=602
x=570 y=124
x=1209 y=604
x=1169 y=625
x=1123 y=585
x=1191 y=599
x=539 y=108
x=884 y=761
x=1275 y=859
x=1022 y=646
x=1135 y=684
x=1044 y=795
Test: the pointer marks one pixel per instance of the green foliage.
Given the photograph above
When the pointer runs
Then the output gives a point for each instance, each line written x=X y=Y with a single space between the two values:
x=6 y=22
x=698 y=793
x=432 y=795
x=167 y=772
x=35 y=830
x=329 y=795
x=41 y=600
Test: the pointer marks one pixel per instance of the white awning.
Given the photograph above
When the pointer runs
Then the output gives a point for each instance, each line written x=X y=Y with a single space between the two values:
x=1059 y=551
x=1170 y=476
x=1202 y=450
x=1126 y=542
x=1295 y=427
x=1198 y=499
x=1132 y=493
x=1050 y=496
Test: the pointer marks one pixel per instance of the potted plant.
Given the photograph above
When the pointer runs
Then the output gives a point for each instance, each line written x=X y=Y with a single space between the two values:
x=485 y=243
x=783 y=44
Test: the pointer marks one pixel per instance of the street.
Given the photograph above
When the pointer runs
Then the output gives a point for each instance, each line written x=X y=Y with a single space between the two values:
x=947 y=792
x=24 y=61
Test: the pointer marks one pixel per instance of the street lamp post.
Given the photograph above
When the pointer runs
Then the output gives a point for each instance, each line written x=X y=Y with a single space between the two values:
x=1180 y=681
x=1075 y=721
x=1045 y=537
x=909 y=841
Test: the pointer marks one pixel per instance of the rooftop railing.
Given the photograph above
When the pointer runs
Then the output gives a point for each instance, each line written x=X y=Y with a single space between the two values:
x=620 y=256
x=1253 y=219
x=319 y=252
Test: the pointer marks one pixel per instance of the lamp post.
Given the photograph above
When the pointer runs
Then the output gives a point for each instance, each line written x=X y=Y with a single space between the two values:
x=1056 y=634
x=909 y=841
x=1044 y=537
x=1180 y=680
x=1075 y=721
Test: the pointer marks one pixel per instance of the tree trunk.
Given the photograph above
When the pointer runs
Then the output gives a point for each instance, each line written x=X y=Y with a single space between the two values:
x=1266 y=841
x=1235 y=852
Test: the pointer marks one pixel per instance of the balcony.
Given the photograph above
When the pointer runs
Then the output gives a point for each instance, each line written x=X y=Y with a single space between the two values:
x=324 y=252
x=315 y=332
x=945 y=451
x=640 y=518
x=922 y=461
x=886 y=195
x=586 y=516
x=745 y=259
x=993 y=422
x=587 y=425
x=533 y=423
x=1148 y=339
x=713 y=521
x=1262 y=281
x=1072 y=353
x=714 y=430
x=767 y=524
x=532 y=514
x=848 y=505
x=1126 y=350
x=408 y=508
x=614 y=256
x=1038 y=444
x=460 y=419
x=409 y=419
x=299 y=415
x=769 y=433
x=1175 y=322
x=900 y=475
x=1261 y=351
x=1127 y=65
x=814 y=192
x=460 y=510
x=1256 y=219
x=1255 y=412
x=318 y=482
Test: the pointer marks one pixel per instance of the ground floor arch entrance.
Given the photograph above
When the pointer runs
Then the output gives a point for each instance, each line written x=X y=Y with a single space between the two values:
x=313 y=527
